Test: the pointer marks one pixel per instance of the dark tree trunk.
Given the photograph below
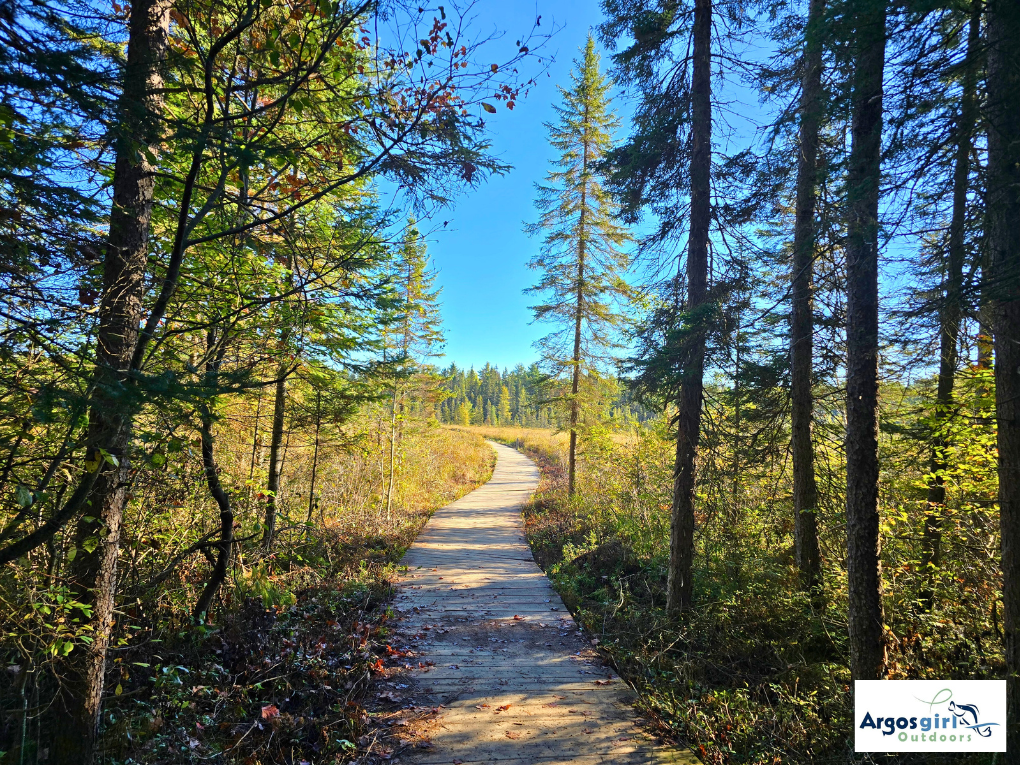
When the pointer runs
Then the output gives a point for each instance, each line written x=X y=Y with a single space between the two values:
x=805 y=491
x=315 y=455
x=1003 y=111
x=276 y=450
x=867 y=642
x=275 y=458
x=681 y=542
x=212 y=478
x=94 y=574
x=951 y=313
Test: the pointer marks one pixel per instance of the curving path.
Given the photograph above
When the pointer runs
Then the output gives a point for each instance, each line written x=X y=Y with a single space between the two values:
x=498 y=658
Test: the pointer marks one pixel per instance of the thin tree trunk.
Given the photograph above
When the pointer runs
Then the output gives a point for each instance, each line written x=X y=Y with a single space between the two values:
x=951 y=314
x=393 y=454
x=575 y=382
x=255 y=438
x=212 y=478
x=275 y=458
x=112 y=410
x=1003 y=110
x=315 y=455
x=866 y=620
x=805 y=491
x=681 y=554
x=276 y=435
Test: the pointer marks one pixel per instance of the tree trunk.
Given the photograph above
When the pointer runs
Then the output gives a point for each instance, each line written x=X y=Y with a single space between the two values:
x=681 y=542
x=867 y=642
x=315 y=455
x=275 y=458
x=276 y=434
x=94 y=574
x=805 y=491
x=575 y=381
x=951 y=314
x=1003 y=110
x=393 y=454
x=212 y=478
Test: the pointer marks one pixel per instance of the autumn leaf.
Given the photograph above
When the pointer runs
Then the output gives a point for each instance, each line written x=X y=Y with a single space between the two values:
x=269 y=712
x=512 y=734
x=489 y=108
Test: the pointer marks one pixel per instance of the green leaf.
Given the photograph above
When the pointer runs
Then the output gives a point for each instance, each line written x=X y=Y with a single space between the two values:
x=90 y=544
x=489 y=108
x=72 y=553
x=24 y=496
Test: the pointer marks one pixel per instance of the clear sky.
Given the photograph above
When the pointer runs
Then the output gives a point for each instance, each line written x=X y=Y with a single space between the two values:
x=483 y=253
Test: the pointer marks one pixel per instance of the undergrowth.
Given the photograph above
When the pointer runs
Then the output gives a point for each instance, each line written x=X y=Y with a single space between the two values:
x=755 y=673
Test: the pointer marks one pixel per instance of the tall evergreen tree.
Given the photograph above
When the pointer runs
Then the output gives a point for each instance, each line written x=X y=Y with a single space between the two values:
x=418 y=334
x=581 y=258
x=805 y=490
x=1003 y=115
x=864 y=570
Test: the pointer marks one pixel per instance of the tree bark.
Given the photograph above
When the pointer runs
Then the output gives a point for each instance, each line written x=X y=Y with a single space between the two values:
x=276 y=434
x=951 y=314
x=1003 y=113
x=575 y=380
x=315 y=455
x=275 y=458
x=805 y=491
x=212 y=478
x=866 y=621
x=94 y=574
x=681 y=557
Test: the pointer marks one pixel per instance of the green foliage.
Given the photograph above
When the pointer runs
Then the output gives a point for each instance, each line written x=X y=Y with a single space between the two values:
x=756 y=672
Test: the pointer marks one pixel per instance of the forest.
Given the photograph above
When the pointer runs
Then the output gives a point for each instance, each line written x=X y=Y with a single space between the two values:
x=776 y=409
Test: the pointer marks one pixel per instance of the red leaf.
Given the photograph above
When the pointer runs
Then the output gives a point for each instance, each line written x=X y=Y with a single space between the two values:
x=269 y=712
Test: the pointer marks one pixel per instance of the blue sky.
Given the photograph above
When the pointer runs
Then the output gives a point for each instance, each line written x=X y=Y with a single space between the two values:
x=483 y=253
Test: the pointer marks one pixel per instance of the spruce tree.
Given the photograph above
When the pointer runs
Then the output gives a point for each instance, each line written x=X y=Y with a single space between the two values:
x=581 y=259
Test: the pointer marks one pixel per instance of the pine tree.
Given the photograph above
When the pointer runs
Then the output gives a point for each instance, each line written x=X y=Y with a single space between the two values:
x=419 y=334
x=581 y=258
x=1002 y=111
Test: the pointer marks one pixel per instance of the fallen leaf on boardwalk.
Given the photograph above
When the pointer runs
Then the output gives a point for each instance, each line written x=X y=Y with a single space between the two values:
x=482 y=706
x=558 y=697
x=502 y=708
x=269 y=711
x=603 y=682
x=454 y=666
x=517 y=618
x=512 y=734
x=587 y=730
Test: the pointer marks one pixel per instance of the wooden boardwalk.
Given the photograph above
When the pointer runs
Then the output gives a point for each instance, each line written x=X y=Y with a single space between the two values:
x=496 y=655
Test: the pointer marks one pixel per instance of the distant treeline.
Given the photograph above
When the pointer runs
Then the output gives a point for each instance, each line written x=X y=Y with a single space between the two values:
x=526 y=397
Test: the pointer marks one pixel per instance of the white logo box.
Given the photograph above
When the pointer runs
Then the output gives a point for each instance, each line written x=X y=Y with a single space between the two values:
x=930 y=716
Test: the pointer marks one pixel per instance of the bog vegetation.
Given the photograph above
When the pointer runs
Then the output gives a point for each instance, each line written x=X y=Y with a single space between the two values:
x=778 y=405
